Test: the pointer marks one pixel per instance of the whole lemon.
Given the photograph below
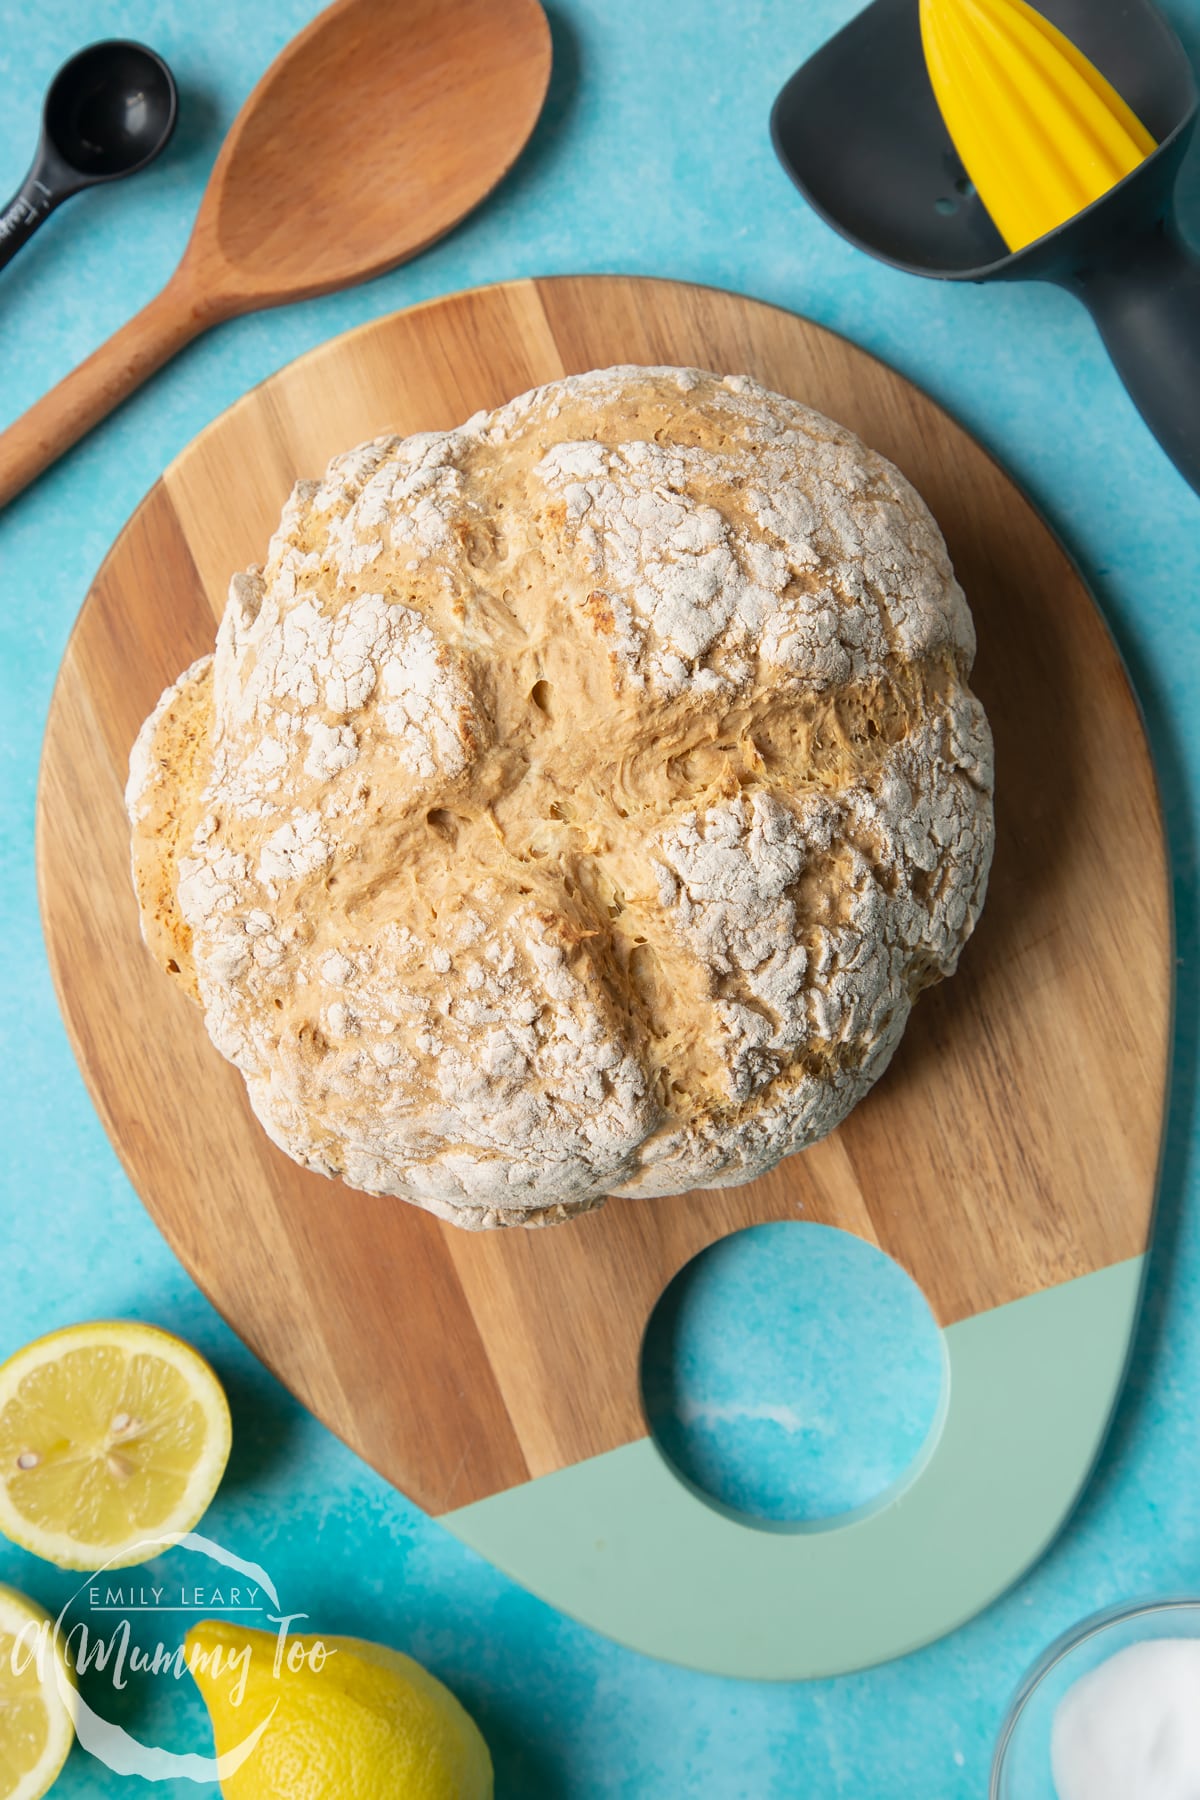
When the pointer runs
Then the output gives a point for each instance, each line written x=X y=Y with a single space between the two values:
x=332 y=1719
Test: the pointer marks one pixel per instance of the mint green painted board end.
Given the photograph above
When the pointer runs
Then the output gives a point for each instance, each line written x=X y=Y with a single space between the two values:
x=620 y=1543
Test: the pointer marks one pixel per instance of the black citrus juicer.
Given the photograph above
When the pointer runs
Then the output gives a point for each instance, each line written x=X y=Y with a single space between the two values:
x=860 y=133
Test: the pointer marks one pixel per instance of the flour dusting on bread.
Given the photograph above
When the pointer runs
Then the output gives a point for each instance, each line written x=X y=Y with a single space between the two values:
x=576 y=801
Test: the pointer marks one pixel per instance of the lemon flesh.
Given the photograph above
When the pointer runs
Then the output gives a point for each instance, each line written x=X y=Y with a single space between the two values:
x=368 y=1724
x=36 y=1695
x=111 y=1434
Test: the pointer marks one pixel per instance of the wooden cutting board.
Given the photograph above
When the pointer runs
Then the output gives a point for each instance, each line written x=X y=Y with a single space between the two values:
x=1007 y=1161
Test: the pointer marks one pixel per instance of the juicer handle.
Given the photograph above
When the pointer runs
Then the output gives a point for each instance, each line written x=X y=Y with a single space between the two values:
x=1147 y=305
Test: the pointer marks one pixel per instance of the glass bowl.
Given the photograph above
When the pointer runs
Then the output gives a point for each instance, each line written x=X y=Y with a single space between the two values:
x=1021 y=1768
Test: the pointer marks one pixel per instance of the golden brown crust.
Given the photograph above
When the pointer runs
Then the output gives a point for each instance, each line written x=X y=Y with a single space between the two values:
x=587 y=794
x=169 y=770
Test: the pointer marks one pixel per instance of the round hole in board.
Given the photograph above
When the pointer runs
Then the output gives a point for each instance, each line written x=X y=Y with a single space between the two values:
x=794 y=1376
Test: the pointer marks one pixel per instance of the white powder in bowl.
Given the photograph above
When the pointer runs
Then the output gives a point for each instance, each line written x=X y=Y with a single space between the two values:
x=1130 y=1729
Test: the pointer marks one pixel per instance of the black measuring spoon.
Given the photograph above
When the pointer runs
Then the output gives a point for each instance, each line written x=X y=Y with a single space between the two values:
x=108 y=112
x=860 y=133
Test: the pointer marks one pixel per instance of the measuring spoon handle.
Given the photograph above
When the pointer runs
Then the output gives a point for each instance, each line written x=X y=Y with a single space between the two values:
x=90 y=392
x=33 y=202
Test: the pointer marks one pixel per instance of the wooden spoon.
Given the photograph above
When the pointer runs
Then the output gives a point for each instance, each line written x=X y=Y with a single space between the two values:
x=370 y=136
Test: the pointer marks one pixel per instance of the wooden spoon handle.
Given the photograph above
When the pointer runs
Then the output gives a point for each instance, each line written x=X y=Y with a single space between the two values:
x=90 y=392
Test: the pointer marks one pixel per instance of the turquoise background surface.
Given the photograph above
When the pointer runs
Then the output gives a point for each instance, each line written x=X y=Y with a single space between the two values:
x=652 y=158
x=762 y=1388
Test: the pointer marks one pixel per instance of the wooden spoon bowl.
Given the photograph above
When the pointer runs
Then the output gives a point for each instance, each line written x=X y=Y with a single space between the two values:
x=374 y=132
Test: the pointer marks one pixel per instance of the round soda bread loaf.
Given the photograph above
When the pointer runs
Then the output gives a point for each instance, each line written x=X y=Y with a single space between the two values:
x=576 y=802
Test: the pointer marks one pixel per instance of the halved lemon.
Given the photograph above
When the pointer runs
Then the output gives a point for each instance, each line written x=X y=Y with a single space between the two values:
x=112 y=1435
x=36 y=1700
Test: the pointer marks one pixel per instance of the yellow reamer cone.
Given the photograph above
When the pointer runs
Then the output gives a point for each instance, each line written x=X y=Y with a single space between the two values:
x=1040 y=131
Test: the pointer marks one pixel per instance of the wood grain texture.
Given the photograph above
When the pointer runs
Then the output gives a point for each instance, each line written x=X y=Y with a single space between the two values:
x=373 y=132
x=1013 y=1144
